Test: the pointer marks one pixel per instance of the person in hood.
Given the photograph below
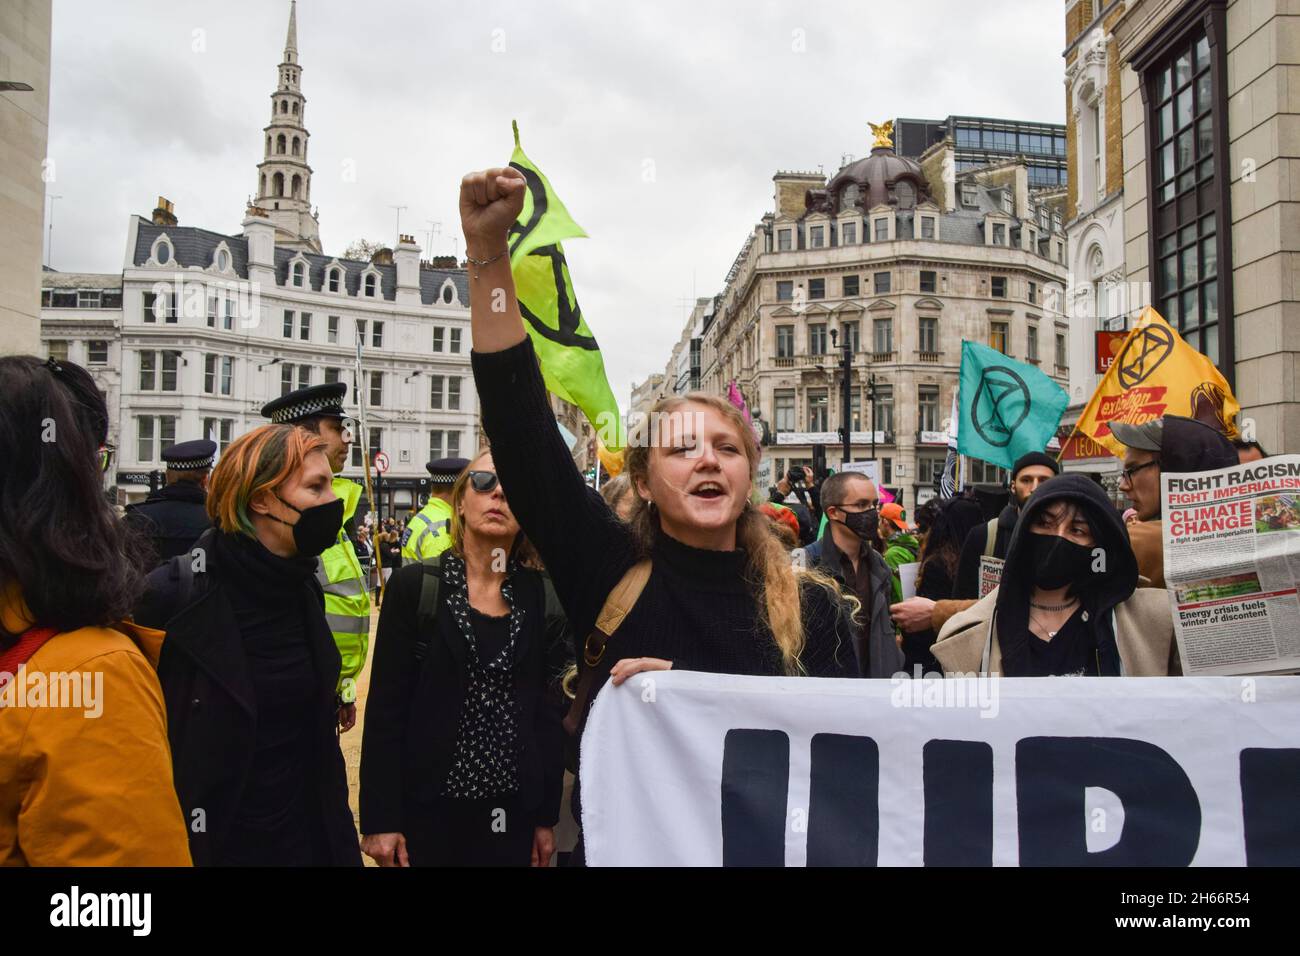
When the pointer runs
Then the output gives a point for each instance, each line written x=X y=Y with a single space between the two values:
x=85 y=773
x=249 y=667
x=1171 y=444
x=1068 y=603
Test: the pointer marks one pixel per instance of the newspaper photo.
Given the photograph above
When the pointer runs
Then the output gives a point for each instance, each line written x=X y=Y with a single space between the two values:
x=1232 y=564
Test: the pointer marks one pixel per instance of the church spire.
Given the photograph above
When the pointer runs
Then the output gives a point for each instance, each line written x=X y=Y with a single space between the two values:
x=283 y=176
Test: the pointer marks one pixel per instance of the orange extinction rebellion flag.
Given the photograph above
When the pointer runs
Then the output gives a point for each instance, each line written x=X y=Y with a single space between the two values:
x=1156 y=373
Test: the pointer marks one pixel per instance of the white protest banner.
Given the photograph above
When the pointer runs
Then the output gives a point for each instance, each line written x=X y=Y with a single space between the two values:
x=1232 y=565
x=682 y=768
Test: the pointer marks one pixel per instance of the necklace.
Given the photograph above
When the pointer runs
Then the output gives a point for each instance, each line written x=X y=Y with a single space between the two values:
x=1055 y=607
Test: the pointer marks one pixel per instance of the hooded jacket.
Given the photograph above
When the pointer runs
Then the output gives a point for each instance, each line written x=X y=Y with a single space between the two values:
x=1133 y=630
x=1187 y=445
x=90 y=785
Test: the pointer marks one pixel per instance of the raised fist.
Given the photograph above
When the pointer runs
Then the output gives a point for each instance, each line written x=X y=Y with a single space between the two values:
x=490 y=202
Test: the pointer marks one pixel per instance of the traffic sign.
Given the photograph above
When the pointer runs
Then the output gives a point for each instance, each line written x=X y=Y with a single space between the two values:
x=381 y=462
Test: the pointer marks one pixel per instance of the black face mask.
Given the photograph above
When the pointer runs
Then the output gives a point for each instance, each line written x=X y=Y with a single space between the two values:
x=864 y=524
x=1058 y=562
x=317 y=527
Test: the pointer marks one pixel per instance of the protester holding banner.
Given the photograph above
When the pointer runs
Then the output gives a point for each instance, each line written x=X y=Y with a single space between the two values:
x=462 y=761
x=250 y=668
x=952 y=520
x=1068 y=602
x=85 y=773
x=1172 y=444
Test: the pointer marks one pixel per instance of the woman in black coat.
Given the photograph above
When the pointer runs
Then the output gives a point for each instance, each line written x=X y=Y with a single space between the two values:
x=249 y=667
x=952 y=521
x=462 y=761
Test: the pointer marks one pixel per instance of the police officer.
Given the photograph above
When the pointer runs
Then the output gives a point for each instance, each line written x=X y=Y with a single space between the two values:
x=173 y=517
x=429 y=532
x=319 y=409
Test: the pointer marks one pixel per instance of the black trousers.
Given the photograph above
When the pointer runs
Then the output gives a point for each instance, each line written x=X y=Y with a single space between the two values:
x=494 y=832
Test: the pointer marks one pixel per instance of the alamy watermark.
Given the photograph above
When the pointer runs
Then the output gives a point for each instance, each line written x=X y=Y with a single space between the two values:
x=74 y=690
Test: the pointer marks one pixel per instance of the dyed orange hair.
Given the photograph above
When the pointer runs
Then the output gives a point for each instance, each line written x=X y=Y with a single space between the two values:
x=261 y=460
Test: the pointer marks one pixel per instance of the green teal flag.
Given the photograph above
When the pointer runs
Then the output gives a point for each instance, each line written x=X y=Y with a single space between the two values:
x=1008 y=408
x=567 y=351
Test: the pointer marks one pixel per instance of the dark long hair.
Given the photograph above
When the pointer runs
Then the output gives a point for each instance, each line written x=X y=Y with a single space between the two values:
x=953 y=519
x=61 y=543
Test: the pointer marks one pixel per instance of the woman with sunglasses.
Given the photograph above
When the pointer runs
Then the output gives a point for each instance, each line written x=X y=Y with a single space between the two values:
x=462 y=760
x=85 y=772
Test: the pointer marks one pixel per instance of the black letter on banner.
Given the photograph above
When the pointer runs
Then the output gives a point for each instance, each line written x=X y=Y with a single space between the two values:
x=755 y=780
x=844 y=801
x=1270 y=785
x=958 y=778
x=1162 y=817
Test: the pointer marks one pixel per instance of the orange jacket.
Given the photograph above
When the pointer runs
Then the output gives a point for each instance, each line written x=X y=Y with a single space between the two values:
x=84 y=790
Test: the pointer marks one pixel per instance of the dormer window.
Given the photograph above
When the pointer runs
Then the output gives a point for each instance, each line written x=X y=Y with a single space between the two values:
x=999 y=234
x=967 y=194
x=784 y=240
x=927 y=227
x=370 y=286
x=162 y=250
x=448 y=293
x=848 y=233
x=880 y=229
x=299 y=274
x=1006 y=201
x=816 y=237
x=223 y=260
x=905 y=193
x=335 y=280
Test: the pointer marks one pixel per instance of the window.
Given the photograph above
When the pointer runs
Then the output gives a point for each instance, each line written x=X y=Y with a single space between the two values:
x=453 y=394
x=437 y=338
x=882 y=336
x=999 y=337
x=148 y=371
x=1031 y=344
x=784 y=405
x=885 y=409
x=783 y=242
x=331 y=376
x=999 y=234
x=164 y=309
x=144 y=438
x=228 y=313
x=818 y=410
x=855 y=411
x=927 y=227
x=299 y=274
x=370 y=286
x=1188 y=247
x=817 y=338
x=435 y=392
x=881 y=282
x=784 y=290
x=785 y=341
x=436 y=444
x=377 y=335
x=361 y=331
x=968 y=197
x=227 y=374
x=286 y=380
x=376 y=389
x=1060 y=350
x=304 y=376
x=881 y=227
x=376 y=442
x=928 y=469
x=304 y=327
x=170 y=363
x=927 y=337
x=455 y=342
x=334 y=282
x=1033 y=293
x=68 y=300
x=927 y=408
x=928 y=280
x=96 y=352
x=209 y=374
x=998 y=287
x=816 y=288
x=57 y=349
x=212 y=312
x=850 y=286
x=288 y=323
x=816 y=237
x=453 y=444
x=332 y=329
x=848 y=234
x=984 y=473
x=163 y=253
x=220 y=430
x=849 y=331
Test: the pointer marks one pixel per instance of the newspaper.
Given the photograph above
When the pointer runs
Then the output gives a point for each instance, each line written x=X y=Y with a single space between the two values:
x=1232 y=563
x=990 y=573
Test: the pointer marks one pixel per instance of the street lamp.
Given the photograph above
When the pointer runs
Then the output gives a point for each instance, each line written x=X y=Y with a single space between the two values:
x=846 y=370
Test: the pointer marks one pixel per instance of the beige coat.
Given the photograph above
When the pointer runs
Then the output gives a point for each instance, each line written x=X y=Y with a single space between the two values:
x=1144 y=636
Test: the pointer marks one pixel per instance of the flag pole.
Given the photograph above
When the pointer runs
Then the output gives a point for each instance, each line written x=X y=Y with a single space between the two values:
x=365 y=462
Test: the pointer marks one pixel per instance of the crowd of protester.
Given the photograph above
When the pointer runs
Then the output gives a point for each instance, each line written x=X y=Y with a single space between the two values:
x=510 y=600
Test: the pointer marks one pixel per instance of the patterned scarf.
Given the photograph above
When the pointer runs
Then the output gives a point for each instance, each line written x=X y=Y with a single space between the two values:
x=486 y=760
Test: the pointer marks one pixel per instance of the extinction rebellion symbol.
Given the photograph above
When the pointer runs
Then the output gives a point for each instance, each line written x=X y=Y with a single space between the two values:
x=1145 y=353
x=1001 y=403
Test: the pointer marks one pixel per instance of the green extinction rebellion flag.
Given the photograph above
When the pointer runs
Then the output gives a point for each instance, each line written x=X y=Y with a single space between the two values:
x=567 y=351
x=1008 y=408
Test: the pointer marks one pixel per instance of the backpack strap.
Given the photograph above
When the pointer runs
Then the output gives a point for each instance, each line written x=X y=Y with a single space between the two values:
x=621 y=600
x=427 y=610
x=991 y=538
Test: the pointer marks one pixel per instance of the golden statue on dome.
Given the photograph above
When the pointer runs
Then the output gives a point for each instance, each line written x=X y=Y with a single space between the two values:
x=884 y=134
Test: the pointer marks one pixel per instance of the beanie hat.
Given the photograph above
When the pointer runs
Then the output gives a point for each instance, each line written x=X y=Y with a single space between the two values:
x=1035 y=458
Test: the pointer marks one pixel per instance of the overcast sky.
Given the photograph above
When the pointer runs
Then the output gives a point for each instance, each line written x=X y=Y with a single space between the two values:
x=660 y=123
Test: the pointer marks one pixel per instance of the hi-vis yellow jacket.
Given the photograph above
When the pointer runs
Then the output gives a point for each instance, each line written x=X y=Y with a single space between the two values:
x=428 y=534
x=347 y=599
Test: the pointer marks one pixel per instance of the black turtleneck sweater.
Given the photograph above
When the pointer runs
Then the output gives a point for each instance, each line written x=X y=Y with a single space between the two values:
x=269 y=595
x=698 y=609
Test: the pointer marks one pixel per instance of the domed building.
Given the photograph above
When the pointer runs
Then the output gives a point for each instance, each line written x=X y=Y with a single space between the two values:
x=903 y=258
